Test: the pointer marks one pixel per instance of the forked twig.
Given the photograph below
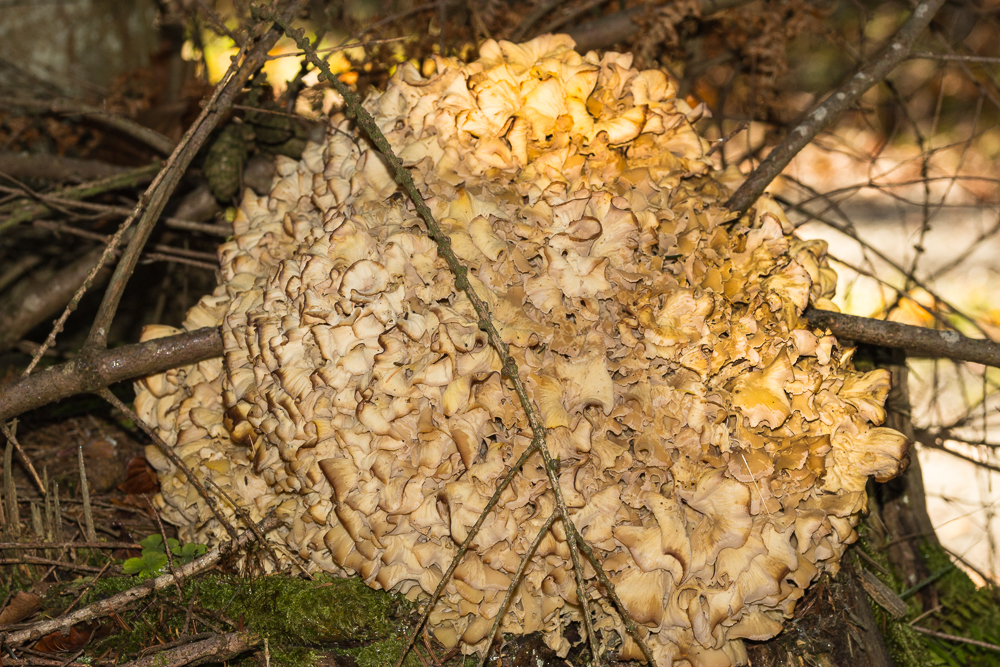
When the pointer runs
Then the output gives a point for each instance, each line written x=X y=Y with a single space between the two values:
x=509 y=366
x=522 y=566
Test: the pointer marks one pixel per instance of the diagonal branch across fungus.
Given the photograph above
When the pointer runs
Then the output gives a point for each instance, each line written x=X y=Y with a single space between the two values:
x=510 y=371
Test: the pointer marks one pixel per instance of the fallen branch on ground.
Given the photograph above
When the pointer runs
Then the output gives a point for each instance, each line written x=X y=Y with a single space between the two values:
x=219 y=648
x=117 y=602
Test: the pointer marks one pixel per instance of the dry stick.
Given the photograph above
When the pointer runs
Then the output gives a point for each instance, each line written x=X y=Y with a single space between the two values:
x=217 y=649
x=522 y=566
x=69 y=545
x=954 y=57
x=111 y=605
x=95 y=369
x=917 y=341
x=252 y=526
x=21 y=211
x=10 y=432
x=509 y=366
x=169 y=452
x=215 y=110
x=35 y=560
x=894 y=53
x=955 y=638
x=175 y=223
x=13 y=525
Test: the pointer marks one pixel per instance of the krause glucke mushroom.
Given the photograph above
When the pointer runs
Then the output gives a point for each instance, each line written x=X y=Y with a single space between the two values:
x=712 y=447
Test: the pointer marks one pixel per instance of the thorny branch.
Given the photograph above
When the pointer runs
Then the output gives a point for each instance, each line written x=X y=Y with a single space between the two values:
x=509 y=366
x=894 y=53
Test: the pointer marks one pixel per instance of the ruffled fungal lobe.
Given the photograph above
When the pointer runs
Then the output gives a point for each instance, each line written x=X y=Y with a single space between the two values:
x=712 y=447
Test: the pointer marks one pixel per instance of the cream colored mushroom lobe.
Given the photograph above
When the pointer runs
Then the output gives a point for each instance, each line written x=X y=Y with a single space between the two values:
x=713 y=449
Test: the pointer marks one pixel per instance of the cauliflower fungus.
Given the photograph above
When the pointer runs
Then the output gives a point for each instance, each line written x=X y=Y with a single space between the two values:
x=713 y=448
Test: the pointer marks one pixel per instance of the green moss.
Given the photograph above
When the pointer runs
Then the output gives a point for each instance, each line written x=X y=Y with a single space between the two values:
x=964 y=610
x=294 y=614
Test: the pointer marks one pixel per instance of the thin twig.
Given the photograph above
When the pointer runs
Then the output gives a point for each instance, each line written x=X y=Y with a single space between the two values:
x=169 y=452
x=894 y=53
x=69 y=545
x=10 y=432
x=111 y=605
x=333 y=49
x=955 y=638
x=954 y=57
x=35 y=560
x=514 y=582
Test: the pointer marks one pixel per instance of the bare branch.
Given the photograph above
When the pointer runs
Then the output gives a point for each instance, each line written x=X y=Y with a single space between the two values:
x=916 y=341
x=97 y=369
x=894 y=53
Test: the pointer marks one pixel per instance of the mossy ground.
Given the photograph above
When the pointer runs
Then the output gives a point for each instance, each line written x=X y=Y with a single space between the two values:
x=300 y=618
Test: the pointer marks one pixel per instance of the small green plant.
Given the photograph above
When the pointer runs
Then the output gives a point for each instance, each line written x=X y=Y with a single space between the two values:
x=154 y=556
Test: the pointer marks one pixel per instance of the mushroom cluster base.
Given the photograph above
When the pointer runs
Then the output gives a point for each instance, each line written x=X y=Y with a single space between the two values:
x=713 y=449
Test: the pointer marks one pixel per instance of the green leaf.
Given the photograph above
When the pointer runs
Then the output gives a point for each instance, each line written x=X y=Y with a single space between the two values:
x=133 y=566
x=149 y=565
x=189 y=552
x=154 y=542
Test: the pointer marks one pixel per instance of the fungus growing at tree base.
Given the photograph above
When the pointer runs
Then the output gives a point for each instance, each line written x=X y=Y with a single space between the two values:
x=713 y=449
